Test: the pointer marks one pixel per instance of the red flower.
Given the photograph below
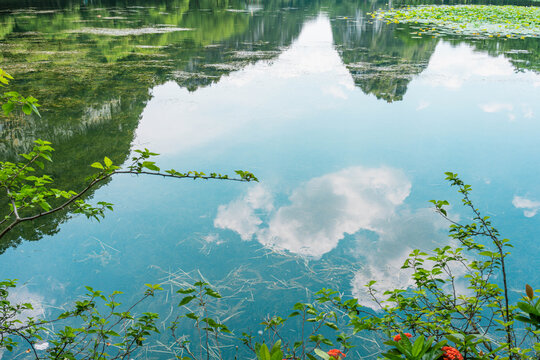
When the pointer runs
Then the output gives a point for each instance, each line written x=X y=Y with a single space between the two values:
x=451 y=353
x=398 y=337
x=336 y=354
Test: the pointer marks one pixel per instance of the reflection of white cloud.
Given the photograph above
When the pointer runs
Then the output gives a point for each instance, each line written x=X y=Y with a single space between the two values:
x=239 y=215
x=21 y=295
x=423 y=104
x=384 y=256
x=362 y=202
x=496 y=107
x=326 y=208
x=212 y=238
x=451 y=66
x=337 y=92
x=322 y=211
x=531 y=207
x=528 y=112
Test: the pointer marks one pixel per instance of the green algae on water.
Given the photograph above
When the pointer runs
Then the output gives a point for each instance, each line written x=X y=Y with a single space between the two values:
x=476 y=20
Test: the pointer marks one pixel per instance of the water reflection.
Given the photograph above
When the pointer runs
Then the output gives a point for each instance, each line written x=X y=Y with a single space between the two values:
x=320 y=212
x=381 y=62
x=181 y=120
x=299 y=96
x=363 y=204
x=95 y=86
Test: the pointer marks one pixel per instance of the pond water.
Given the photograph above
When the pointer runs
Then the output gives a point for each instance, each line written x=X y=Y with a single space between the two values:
x=349 y=124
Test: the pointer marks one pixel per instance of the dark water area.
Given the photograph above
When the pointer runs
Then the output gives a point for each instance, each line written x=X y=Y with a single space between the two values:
x=349 y=123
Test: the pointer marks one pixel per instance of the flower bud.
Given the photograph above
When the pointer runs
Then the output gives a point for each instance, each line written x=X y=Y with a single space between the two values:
x=529 y=291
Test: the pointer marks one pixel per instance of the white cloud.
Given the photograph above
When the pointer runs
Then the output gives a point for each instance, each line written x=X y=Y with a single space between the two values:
x=212 y=238
x=528 y=112
x=22 y=295
x=383 y=257
x=530 y=207
x=328 y=207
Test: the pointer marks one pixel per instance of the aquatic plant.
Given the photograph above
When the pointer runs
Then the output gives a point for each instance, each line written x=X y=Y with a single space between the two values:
x=477 y=20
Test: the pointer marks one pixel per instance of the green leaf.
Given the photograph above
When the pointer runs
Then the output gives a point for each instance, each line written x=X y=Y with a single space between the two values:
x=186 y=300
x=27 y=109
x=528 y=308
x=185 y=291
x=276 y=347
x=331 y=325
x=322 y=354
x=97 y=165
x=8 y=107
x=212 y=293
x=263 y=353
x=108 y=162
x=150 y=165
x=417 y=346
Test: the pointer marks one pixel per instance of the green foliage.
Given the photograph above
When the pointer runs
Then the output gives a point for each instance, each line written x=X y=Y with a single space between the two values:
x=262 y=352
x=209 y=329
x=313 y=322
x=420 y=349
x=11 y=99
x=96 y=327
x=531 y=310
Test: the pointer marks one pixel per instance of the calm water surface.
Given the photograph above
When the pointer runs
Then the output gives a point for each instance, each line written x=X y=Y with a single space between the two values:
x=349 y=125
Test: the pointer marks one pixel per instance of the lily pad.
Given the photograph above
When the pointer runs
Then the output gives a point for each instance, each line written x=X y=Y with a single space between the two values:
x=475 y=20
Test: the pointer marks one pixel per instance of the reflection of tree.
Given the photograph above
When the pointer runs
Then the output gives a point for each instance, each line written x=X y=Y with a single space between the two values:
x=381 y=62
x=524 y=54
x=384 y=58
x=91 y=72
x=94 y=87
x=74 y=154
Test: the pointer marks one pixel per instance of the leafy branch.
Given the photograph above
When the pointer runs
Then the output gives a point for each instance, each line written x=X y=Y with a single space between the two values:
x=11 y=99
x=30 y=196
